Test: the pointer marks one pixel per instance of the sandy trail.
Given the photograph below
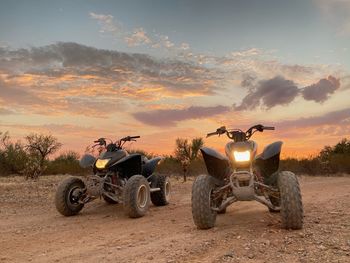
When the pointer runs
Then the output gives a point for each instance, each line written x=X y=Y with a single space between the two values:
x=32 y=230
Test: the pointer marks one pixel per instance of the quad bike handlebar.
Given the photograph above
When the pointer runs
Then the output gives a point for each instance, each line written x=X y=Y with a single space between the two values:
x=119 y=143
x=239 y=135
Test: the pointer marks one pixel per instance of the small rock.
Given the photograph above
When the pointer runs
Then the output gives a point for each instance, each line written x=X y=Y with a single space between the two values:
x=118 y=247
x=322 y=247
x=229 y=254
x=267 y=242
x=150 y=257
x=251 y=256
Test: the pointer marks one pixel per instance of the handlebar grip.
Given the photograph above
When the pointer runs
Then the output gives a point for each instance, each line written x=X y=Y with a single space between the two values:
x=269 y=128
x=96 y=141
x=135 y=137
x=211 y=134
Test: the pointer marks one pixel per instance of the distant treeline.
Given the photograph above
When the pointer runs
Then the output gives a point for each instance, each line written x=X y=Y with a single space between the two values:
x=331 y=160
x=31 y=158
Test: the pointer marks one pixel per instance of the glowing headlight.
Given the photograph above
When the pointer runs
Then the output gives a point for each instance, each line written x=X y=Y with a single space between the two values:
x=101 y=163
x=241 y=156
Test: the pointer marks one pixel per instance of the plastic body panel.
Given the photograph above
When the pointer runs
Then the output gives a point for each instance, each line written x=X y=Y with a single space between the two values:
x=150 y=165
x=87 y=161
x=217 y=165
x=268 y=161
x=128 y=166
x=114 y=156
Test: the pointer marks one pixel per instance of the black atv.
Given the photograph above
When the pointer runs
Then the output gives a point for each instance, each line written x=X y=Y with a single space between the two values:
x=242 y=175
x=118 y=177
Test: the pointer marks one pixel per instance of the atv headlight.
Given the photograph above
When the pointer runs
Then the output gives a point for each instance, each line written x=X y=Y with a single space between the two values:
x=101 y=163
x=241 y=156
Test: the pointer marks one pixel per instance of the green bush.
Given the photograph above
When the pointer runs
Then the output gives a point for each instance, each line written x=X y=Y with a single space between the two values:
x=66 y=163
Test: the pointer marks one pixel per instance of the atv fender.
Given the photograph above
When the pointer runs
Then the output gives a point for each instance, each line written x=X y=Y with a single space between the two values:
x=150 y=165
x=217 y=165
x=87 y=161
x=271 y=150
x=268 y=162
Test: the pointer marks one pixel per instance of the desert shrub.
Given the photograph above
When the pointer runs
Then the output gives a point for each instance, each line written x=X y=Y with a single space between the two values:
x=339 y=163
x=169 y=165
x=65 y=163
x=13 y=156
x=330 y=160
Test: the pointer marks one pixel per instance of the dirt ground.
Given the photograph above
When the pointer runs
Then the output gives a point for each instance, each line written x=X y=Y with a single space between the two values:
x=32 y=230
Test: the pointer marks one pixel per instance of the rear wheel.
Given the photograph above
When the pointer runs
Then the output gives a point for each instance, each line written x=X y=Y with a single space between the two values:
x=136 y=196
x=291 y=202
x=68 y=195
x=162 y=197
x=203 y=215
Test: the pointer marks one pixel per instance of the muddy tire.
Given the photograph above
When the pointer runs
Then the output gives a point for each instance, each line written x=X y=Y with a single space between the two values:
x=66 y=200
x=136 y=196
x=291 y=202
x=203 y=215
x=161 y=197
x=109 y=200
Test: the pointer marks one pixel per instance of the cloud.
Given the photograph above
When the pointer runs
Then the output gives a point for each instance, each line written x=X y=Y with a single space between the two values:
x=280 y=91
x=248 y=80
x=10 y=94
x=62 y=59
x=169 y=117
x=269 y=93
x=5 y=111
x=84 y=80
x=247 y=52
x=339 y=117
x=136 y=36
x=320 y=91
x=108 y=23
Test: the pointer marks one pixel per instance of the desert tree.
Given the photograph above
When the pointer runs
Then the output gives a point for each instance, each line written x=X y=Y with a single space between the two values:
x=40 y=146
x=186 y=152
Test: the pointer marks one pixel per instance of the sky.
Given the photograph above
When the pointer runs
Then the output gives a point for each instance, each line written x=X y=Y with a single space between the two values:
x=161 y=69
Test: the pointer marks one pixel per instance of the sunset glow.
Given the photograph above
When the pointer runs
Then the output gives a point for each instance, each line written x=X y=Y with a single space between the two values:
x=81 y=70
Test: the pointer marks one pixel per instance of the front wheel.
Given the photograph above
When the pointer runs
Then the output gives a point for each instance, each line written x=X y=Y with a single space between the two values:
x=203 y=215
x=68 y=195
x=291 y=202
x=162 y=197
x=136 y=196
